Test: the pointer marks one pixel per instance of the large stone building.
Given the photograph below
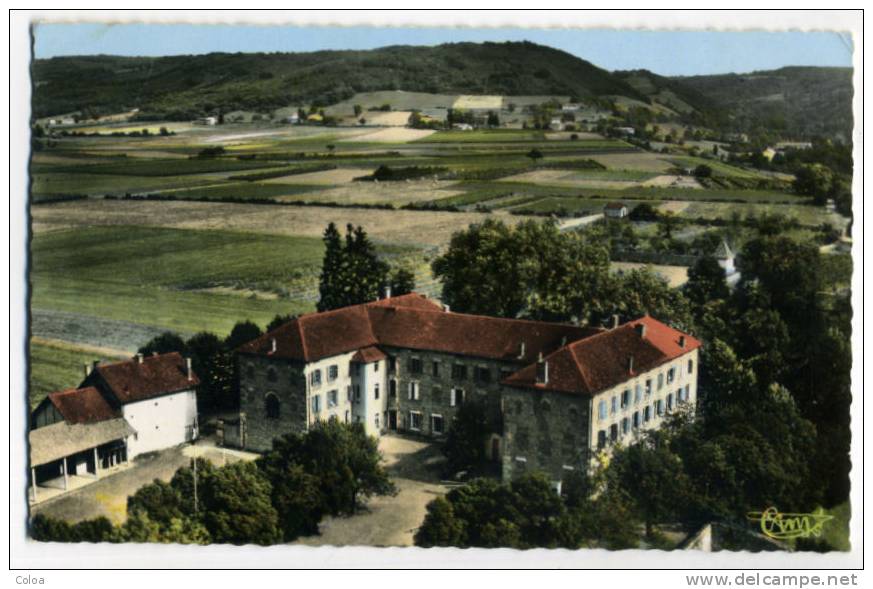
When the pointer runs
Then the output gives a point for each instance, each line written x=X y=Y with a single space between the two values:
x=408 y=364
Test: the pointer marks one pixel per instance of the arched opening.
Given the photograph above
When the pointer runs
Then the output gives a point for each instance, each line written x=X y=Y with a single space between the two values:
x=271 y=405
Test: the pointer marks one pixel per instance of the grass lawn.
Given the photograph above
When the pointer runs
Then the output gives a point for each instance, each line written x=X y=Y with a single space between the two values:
x=55 y=367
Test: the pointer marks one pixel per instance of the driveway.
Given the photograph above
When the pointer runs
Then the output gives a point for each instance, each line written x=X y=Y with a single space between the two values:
x=108 y=496
x=414 y=466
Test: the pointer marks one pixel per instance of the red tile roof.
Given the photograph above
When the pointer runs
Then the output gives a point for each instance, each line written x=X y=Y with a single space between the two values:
x=85 y=405
x=368 y=355
x=615 y=205
x=412 y=321
x=131 y=380
x=596 y=363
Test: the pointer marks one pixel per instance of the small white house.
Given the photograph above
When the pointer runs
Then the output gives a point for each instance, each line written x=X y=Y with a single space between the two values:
x=156 y=395
x=615 y=210
x=463 y=126
x=208 y=121
x=727 y=260
x=626 y=130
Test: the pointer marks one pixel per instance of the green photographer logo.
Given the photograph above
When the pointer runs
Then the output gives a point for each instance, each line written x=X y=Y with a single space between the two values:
x=784 y=526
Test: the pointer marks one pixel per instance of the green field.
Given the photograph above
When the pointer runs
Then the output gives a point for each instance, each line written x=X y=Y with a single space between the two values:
x=244 y=190
x=174 y=279
x=185 y=280
x=53 y=368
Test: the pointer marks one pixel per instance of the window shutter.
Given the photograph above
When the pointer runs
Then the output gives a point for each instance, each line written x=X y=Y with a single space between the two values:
x=409 y=391
x=452 y=399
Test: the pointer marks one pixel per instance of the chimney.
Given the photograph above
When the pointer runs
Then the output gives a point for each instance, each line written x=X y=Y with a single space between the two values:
x=188 y=370
x=139 y=358
x=95 y=364
x=154 y=354
x=387 y=292
x=542 y=370
x=563 y=341
x=641 y=329
x=272 y=345
x=681 y=341
x=521 y=351
x=615 y=321
x=630 y=363
x=87 y=369
x=447 y=309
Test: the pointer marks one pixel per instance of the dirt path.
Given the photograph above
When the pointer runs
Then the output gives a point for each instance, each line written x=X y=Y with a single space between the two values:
x=390 y=521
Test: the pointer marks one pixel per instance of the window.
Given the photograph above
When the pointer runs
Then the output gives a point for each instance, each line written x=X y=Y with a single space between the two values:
x=483 y=374
x=522 y=439
x=271 y=374
x=690 y=366
x=392 y=364
x=413 y=391
x=357 y=388
x=392 y=389
x=459 y=371
x=354 y=368
x=569 y=442
x=601 y=409
x=660 y=381
x=660 y=407
x=271 y=406
x=316 y=403
x=545 y=406
x=636 y=421
x=613 y=432
x=574 y=414
x=614 y=404
x=625 y=425
x=625 y=398
x=376 y=366
x=687 y=392
x=638 y=393
x=315 y=378
x=648 y=386
x=332 y=372
x=332 y=398
x=437 y=424
x=415 y=421
x=601 y=438
x=435 y=367
x=376 y=391
x=347 y=416
x=376 y=421
x=519 y=407
x=669 y=401
x=545 y=446
x=349 y=396
x=456 y=397
x=415 y=365
x=671 y=375
x=647 y=414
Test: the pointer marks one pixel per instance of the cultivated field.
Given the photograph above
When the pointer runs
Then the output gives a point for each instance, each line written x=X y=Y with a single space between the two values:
x=193 y=240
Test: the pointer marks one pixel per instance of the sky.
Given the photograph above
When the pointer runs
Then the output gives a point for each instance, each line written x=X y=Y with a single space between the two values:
x=674 y=53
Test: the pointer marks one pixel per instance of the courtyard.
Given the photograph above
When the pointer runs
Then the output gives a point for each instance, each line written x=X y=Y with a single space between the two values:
x=414 y=466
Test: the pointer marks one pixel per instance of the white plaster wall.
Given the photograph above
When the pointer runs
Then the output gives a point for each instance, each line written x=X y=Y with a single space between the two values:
x=341 y=384
x=161 y=422
x=682 y=378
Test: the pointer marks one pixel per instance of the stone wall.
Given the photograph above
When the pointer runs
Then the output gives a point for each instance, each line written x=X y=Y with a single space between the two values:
x=435 y=391
x=260 y=377
x=544 y=431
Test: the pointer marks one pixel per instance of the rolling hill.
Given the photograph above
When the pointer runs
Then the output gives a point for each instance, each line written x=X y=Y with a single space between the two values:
x=181 y=87
x=803 y=101
x=797 y=102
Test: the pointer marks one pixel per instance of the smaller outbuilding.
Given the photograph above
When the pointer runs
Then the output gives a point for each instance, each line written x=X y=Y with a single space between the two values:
x=615 y=210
